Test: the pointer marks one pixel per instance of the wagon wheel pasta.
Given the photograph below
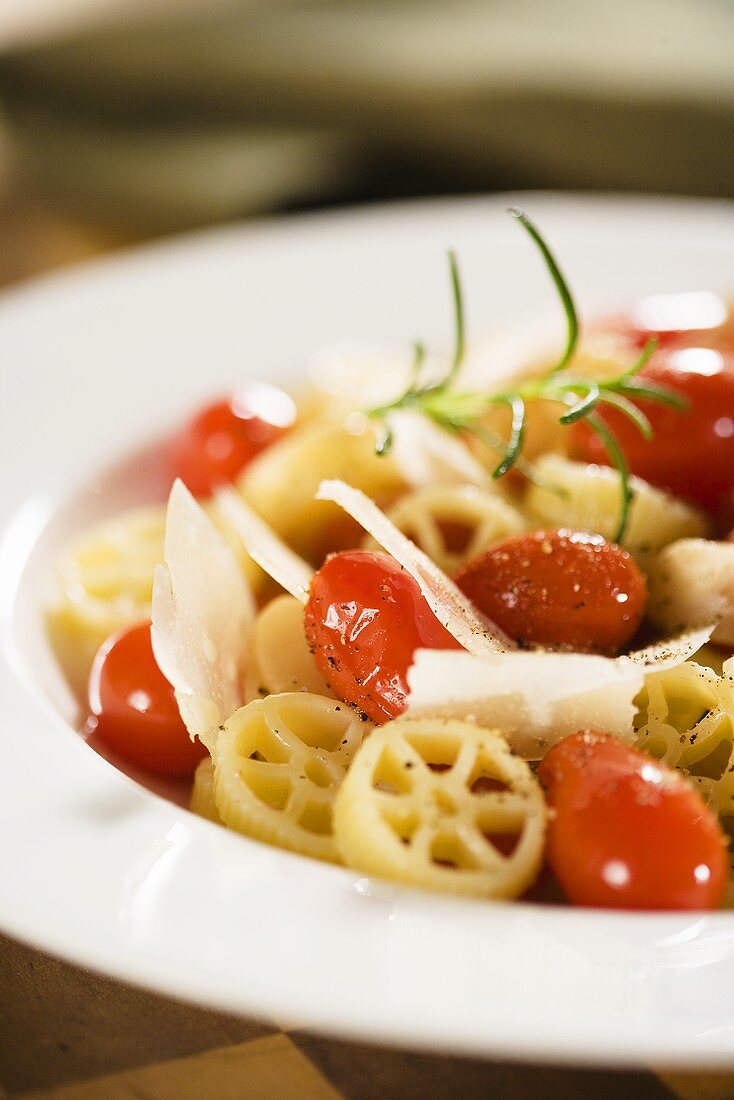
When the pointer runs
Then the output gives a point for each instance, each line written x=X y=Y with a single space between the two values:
x=280 y=659
x=691 y=582
x=202 y=793
x=587 y=497
x=105 y=583
x=281 y=483
x=445 y=805
x=279 y=763
x=686 y=719
x=452 y=524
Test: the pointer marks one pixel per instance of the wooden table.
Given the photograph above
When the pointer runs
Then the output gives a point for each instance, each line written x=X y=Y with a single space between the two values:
x=68 y=1034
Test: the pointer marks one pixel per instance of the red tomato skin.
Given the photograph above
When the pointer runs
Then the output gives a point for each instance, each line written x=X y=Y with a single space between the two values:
x=691 y=453
x=675 y=321
x=563 y=589
x=365 y=618
x=626 y=832
x=216 y=445
x=133 y=710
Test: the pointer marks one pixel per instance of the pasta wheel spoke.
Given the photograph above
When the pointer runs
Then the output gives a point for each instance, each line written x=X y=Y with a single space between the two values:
x=283 y=736
x=323 y=770
x=454 y=523
x=272 y=783
x=462 y=770
x=442 y=804
x=427 y=535
x=421 y=842
x=399 y=769
x=661 y=740
x=267 y=744
x=455 y=845
x=296 y=801
x=711 y=737
x=501 y=812
x=311 y=806
x=475 y=849
x=392 y=802
x=400 y=813
x=487 y=533
x=278 y=765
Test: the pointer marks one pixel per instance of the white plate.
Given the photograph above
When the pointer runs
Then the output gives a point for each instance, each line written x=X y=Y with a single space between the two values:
x=101 y=871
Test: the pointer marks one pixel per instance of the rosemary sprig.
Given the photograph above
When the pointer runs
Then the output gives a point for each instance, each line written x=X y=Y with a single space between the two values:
x=569 y=306
x=463 y=411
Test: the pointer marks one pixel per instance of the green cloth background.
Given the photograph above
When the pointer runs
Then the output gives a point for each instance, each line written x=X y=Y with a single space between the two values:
x=192 y=114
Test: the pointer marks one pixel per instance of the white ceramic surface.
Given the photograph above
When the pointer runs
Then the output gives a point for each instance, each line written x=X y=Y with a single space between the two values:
x=97 y=869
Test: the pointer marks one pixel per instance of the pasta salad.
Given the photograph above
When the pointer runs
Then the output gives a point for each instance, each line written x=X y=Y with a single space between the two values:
x=457 y=622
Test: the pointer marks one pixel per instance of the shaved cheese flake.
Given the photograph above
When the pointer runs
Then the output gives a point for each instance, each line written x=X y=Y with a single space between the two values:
x=450 y=606
x=534 y=698
x=427 y=455
x=265 y=547
x=538 y=697
x=671 y=651
x=202 y=616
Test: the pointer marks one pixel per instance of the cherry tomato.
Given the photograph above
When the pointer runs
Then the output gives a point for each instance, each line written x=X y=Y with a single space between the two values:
x=691 y=319
x=566 y=589
x=627 y=832
x=132 y=708
x=691 y=453
x=365 y=618
x=218 y=443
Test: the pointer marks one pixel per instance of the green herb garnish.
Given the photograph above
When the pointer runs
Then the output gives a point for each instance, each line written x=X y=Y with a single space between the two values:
x=463 y=411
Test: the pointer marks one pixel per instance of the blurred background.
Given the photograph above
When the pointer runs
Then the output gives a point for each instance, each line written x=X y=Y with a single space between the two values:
x=122 y=120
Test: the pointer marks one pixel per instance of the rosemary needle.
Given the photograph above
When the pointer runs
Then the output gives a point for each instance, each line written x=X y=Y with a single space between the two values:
x=464 y=412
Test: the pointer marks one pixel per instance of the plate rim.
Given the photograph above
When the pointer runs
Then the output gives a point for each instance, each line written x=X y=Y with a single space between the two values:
x=140 y=969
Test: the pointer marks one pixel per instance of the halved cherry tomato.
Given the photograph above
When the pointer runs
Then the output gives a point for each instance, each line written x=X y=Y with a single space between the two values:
x=218 y=443
x=627 y=832
x=365 y=618
x=691 y=453
x=567 y=589
x=132 y=708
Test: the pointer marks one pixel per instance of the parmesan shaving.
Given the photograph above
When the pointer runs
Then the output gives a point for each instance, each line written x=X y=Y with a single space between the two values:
x=264 y=546
x=450 y=606
x=534 y=698
x=538 y=697
x=202 y=616
x=671 y=651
